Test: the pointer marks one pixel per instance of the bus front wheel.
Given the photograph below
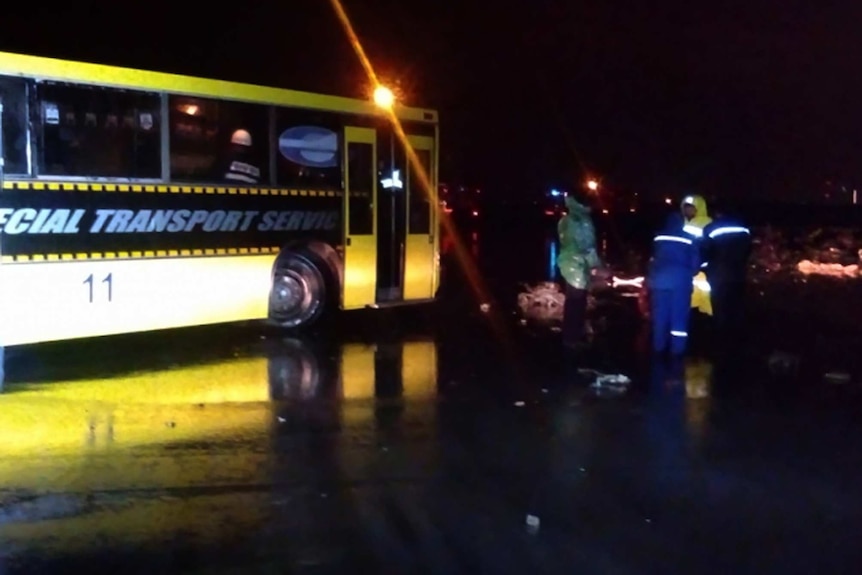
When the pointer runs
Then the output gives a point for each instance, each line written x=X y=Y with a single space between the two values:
x=299 y=292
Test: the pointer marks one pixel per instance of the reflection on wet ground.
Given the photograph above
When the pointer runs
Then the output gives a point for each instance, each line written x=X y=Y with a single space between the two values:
x=417 y=441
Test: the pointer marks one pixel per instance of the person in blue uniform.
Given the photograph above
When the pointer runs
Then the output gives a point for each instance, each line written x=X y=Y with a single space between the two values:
x=675 y=261
x=726 y=248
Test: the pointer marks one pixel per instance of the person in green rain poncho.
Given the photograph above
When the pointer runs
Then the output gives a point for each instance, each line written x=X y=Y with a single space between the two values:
x=576 y=261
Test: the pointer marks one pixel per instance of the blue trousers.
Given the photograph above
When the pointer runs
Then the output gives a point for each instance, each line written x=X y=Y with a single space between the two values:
x=671 y=309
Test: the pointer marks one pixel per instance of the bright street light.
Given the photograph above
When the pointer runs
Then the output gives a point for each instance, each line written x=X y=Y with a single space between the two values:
x=592 y=185
x=383 y=97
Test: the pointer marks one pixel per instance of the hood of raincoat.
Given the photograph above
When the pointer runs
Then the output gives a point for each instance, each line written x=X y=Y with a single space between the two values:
x=575 y=207
x=702 y=219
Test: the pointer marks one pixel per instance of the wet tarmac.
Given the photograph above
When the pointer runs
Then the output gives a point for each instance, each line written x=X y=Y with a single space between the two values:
x=419 y=441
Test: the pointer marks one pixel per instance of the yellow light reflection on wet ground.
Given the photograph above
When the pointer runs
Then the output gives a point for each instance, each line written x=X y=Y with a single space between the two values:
x=199 y=449
x=104 y=459
x=146 y=408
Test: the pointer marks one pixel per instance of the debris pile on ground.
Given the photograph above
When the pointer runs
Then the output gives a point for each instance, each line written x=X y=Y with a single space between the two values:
x=769 y=253
x=809 y=267
x=833 y=252
x=543 y=302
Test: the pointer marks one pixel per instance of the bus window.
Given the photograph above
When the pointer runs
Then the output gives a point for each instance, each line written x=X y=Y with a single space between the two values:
x=219 y=142
x=361 y=183
x=13 y=94
x=308 y=150
x=99 y=132
x=419 y=206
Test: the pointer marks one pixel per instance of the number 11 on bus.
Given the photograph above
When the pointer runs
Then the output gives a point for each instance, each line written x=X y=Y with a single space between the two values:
x=108 y=281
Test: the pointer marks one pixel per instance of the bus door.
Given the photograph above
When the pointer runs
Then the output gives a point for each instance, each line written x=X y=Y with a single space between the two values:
x=360 y=226
x=1 y=142
x=391 y=221
x=419 y=253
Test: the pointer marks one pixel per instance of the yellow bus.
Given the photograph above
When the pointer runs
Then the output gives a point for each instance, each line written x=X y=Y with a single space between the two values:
x=135 y=200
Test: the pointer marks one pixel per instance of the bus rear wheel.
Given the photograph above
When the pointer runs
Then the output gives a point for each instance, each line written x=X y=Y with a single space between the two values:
x=299 y=292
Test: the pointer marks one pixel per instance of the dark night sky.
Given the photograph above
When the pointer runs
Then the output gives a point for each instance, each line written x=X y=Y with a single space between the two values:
x=737 y=97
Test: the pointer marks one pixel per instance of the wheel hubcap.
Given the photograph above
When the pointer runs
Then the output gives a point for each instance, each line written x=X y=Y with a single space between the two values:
x=289 y=293
x=297 y=292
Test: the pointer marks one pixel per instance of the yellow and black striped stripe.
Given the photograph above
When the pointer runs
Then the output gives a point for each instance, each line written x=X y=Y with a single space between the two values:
x=165 y=189
x=140 y=254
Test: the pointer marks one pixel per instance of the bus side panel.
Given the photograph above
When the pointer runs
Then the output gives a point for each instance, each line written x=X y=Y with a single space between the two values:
x=56 y=300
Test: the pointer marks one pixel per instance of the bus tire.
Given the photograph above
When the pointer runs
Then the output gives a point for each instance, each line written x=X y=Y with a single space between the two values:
x=300 y=291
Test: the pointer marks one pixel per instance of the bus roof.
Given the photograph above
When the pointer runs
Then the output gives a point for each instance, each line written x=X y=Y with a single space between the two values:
x=41 y=68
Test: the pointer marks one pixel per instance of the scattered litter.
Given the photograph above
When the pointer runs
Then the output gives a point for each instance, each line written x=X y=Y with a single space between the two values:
x=533 y=523
x=281 y=419
x=606 y=379
x=837 y=377
x=544 y=390
x=582 y=469
x=519 y=404
x=485 y=307
x=612 y=380
x=648 y=520
x=615 y=383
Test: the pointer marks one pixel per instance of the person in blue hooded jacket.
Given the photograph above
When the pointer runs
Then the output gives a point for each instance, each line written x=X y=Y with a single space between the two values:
x=675 y=261
x=726 y=248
